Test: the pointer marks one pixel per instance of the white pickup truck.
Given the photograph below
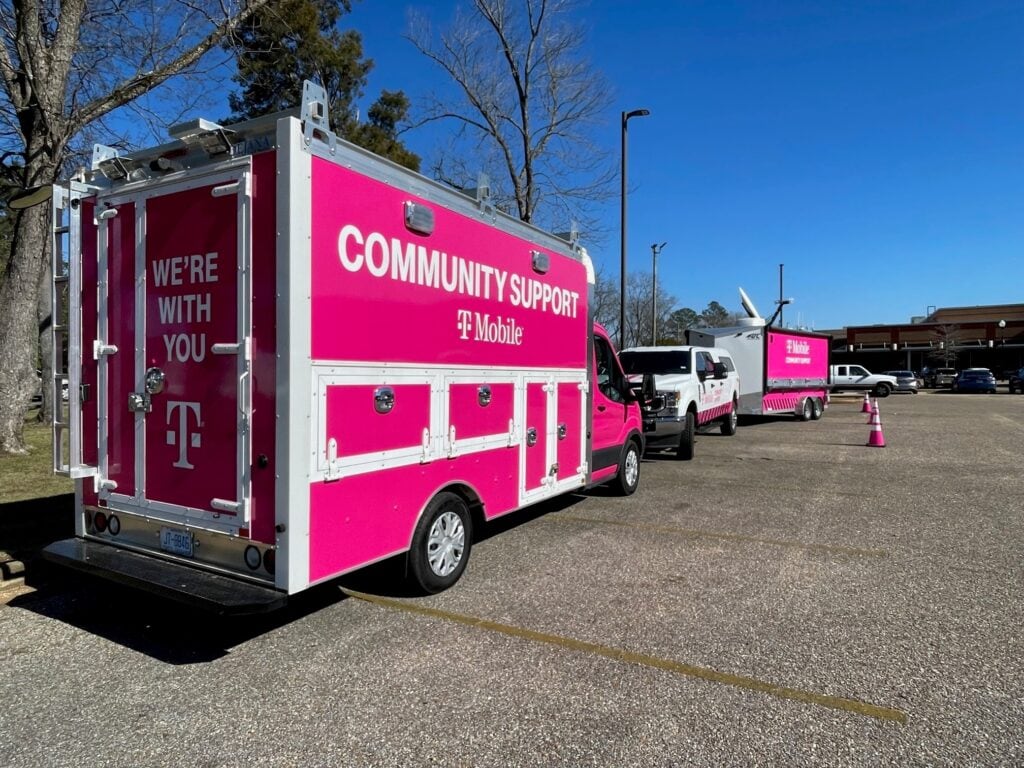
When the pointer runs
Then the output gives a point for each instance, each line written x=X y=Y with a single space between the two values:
x=857 y=377
x=699 y=385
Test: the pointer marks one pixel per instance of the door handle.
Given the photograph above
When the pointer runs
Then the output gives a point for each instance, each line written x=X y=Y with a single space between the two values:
x=601 y=408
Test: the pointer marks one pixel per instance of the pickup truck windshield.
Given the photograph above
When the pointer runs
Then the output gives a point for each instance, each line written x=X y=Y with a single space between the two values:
x=658 y=363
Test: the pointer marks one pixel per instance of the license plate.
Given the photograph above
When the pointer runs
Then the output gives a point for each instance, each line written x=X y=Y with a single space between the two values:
x=176 y=541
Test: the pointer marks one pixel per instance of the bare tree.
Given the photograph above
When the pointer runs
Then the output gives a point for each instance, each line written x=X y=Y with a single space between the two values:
x=524 y=100
x=65 y=66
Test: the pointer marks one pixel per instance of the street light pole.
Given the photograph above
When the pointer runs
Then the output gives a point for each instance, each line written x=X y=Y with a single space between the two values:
x=622 y=260
x=655 y=250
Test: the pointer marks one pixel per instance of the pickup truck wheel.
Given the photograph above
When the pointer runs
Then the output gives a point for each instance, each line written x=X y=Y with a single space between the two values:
x=441 y=544
x=882 y=390
x=817 y=408
x=628 y=479
x=730 y=421
x=688 y=439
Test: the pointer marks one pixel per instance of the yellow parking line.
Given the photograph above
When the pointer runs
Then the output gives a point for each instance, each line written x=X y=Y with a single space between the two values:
x=703 y=673
x=723 y=536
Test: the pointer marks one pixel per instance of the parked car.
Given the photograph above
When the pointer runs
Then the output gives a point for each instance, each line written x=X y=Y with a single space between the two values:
x=906 y=381
x=939 y=377
x=975 y=380
x=1017 y=381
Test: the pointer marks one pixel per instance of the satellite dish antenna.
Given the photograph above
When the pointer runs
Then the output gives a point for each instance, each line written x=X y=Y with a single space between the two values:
x=748 y=305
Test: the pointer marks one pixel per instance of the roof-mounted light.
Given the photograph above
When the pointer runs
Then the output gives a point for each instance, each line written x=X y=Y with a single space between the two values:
x=214 y=139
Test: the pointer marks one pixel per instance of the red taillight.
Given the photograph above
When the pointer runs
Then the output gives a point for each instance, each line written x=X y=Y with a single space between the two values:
x=269 y=559
x=100 y=521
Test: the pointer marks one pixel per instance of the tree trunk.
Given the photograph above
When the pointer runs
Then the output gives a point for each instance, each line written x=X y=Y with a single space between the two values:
x=44 y=314
x=19 y=326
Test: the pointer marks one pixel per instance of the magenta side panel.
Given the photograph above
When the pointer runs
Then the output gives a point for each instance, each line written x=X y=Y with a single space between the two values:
x=471 y=419
x=570 y=446
x=787 y=402
x=793 y=356
x=360 y=519
x=467 y=293
x=711 y=414
x=354 y=422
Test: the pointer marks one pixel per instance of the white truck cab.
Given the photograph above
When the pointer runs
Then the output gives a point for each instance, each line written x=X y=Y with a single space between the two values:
x=699 y=385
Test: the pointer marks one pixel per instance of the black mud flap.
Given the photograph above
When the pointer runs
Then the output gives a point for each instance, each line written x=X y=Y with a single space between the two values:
x=210 y=591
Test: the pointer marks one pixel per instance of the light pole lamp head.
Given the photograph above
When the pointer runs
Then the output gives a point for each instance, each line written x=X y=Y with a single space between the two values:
x=635 y=113
x=1002 y=323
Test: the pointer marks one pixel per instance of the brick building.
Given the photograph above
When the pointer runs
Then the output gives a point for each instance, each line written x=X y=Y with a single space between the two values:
x=958 y=337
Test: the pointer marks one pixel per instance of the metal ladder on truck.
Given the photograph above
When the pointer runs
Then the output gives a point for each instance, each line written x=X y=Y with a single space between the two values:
x=66 y=325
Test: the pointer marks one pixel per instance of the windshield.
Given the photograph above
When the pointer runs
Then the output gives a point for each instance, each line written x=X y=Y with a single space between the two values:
x=975 y=374
x=659 y=363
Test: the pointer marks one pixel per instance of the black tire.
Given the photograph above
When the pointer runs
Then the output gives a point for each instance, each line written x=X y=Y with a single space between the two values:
x=730 y=420
x=441 y=544
x=882 y=390
x=807 y=411
x=688 y=439
x=817 y=408
x=628 y=479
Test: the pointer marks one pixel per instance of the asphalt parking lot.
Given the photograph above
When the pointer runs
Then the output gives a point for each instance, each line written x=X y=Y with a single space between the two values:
x=790 y=597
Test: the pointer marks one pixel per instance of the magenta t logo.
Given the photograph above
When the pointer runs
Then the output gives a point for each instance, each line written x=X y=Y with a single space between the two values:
x=465 y=323
x=182 y=437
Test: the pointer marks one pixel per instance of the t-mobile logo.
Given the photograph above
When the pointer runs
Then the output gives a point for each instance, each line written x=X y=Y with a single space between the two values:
x=465 y=323
x=182 y=437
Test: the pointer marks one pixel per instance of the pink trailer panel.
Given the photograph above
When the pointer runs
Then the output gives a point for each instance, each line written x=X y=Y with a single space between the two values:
x=796 y=358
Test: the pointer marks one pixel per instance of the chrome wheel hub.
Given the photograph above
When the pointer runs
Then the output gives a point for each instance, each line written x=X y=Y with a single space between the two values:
x=446 y=543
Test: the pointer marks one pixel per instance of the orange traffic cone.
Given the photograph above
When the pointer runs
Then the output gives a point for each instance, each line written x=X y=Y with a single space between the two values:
x=872 y=410
x=866 y=408
x=876 y=439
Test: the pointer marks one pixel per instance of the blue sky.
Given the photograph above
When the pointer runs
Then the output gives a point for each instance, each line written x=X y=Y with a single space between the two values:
x=874 y=148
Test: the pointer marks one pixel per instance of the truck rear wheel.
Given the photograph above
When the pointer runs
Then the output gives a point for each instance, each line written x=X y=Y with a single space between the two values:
x=441 y=543
x=628 y=479
x=688 y=438
x=730 y=421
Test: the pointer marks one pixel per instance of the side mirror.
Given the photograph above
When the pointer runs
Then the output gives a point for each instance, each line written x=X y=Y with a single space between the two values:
x=702 y=375
x=720 y=371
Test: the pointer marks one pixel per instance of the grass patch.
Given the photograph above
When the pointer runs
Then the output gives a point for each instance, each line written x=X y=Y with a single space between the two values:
x=31 y=476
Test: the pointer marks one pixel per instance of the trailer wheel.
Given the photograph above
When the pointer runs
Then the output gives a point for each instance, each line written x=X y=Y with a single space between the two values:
x=817 y=408
x=688 y=439
x=441 y=543
x=731 y=420
x=628 y=479
x=807 y=411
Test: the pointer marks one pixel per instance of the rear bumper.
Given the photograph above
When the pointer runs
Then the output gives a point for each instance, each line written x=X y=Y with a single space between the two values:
x=210 y=591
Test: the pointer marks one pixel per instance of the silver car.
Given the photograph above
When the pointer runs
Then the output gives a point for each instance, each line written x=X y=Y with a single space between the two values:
x=906 y=381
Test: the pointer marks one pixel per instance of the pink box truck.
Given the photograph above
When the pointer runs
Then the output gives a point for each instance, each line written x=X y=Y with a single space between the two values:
x=290 y=358
x=781 y=371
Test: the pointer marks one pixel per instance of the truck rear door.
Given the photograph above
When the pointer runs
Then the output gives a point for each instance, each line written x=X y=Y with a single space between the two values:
x=173 y=353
